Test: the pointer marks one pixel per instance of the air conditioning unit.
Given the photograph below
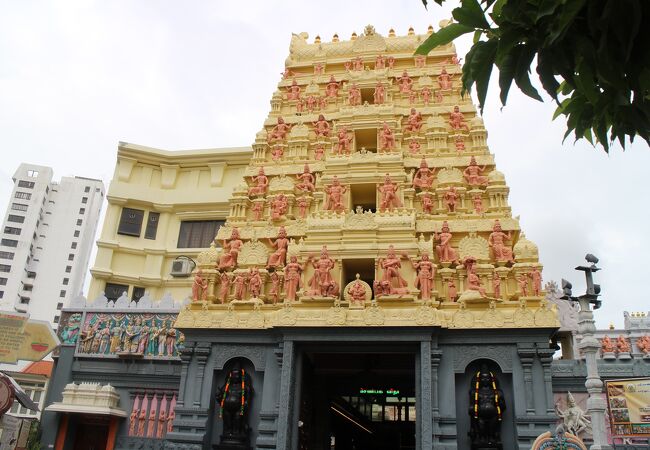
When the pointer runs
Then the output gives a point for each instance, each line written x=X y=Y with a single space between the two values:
x=181 y=268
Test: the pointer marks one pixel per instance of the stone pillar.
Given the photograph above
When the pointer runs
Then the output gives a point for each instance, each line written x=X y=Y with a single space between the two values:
x=545 y=356
x=202 y=352
x=268 y=427
x=186 y=357
x=285 y=405
x=436 y=355
x=526 y=357
x=426 y=397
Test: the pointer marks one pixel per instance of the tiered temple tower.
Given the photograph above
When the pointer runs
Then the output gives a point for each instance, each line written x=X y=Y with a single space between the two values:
x=372 y=212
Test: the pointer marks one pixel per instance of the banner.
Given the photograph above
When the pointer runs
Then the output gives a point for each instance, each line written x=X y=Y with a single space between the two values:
x=628 y=402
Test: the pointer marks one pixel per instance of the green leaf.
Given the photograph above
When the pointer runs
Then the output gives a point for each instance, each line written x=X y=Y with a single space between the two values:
x=566 y=16
x=507 y=69
x=523 y=69
x=443 y=36
x=546 y=75
x=471 y=15
x=481 y=67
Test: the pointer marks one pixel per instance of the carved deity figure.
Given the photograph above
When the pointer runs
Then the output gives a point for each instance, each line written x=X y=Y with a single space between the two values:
x=277 y=153
x=302 y=204
x=389 y=197
x=293 y=91
x=444 y=249
x=70 y=332
x=335 y=192
x=391 y=62
x=332 y=88
x=643 y=344
x=287 y=73
x=622 y=345
x=274 y=291
x=322 y=283
x=312 y=103
x=573 y=417
x=292 y=278
x=496 y=285
x=234 y=399
x=522 y=282
x=230 y=252
x=474 y=283
x=497 y=242
x=607 y=346
x=413 y=97
x=279 y=257
x=142 y=420
x=104 y=338
x=240 y=286
x=452 y=292
x=318 y=69
x=414 y=122
x=279 y=206
x=472 y=174
x=279 y=131
x=199 y=287
x=133 y=421
x=386 y=138
x=420 y=61
x=319 y=152
x=536 y=281
x=477 y=201
x=224 y=288
x=486 y=407
x=134 y=333
x=162 y=337
x=451 y=198
x=344 y=140
x=357 y=291
x=380 y=62
x=258 y=210
x=457 y=119
x=162 y=422
x=305 y=180
x=357 y=63
x=261 y=183
x=414 y=146
x=321 y=127
x=254 y=282
x=427 y=203
x=405 y=83
x=354 y=95
x=426 y=271
x=391 y=266
x=459 y=143
x=116 y=338
x=426 y=95
x=423 y=178
x=380 y=93
x=444 y=80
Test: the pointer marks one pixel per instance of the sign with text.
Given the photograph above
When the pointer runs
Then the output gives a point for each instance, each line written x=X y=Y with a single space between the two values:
x=21 y=338
x=628 y=402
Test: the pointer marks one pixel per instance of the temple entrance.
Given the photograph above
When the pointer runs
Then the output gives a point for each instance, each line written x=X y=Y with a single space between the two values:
x=359 y=400
x=91 y=433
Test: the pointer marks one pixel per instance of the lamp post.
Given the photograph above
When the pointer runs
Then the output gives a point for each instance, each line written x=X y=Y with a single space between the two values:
x=589 y=347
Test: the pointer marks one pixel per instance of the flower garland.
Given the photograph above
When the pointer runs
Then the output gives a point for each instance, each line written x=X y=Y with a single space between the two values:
x=494 y=389
x=227 y=389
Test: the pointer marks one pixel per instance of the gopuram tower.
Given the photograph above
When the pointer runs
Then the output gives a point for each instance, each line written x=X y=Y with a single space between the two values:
x=370 y=272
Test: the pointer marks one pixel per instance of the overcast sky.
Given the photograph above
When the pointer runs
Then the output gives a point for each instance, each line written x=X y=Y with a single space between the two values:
x=76 y=77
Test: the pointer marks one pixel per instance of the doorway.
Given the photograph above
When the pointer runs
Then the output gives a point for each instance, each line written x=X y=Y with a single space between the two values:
x=91 y=433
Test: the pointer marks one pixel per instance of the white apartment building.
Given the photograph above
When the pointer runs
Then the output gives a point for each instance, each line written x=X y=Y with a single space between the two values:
x=48 y=234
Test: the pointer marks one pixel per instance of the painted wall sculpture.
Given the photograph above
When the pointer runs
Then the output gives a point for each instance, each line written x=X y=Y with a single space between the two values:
x=486 y=409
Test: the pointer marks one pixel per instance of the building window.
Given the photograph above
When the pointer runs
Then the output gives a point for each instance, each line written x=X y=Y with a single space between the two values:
x=76 y=233
x=12 y=230
x=198 y=233
x=3 y=281
x=84 y=199
x=65 y=281
x=28 y=287
x=2 y=294
x=130 y=222
x=59 y=306
x=5 y=268
x=9 y=242
x=87 y=189
x=23 y=195
x=26 y=184
x=114 y=291
x=79 y=222
x=68 y=269
x=82 y=210
x=138 y=293
x=24 y=300
x=18 y=207
x=62 y=294
x=71 y=257
x=31 y=274
x=74 y=245
x=152 y=225
x=6 y=255
x=32 y=173
x=16 y=219
x=56 y=319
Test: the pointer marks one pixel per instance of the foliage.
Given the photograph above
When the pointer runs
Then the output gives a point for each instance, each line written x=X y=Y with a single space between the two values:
x=592 y=59
x=34 y=437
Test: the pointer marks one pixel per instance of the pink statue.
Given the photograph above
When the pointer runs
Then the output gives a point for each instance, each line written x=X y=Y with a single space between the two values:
x=391 y=265
x=277 y=153
x=459 y=143
x=472 y=174
x=606 y=345
x=522 y=281
x=423 y=178
x=474 y=283
x=426 y=96
x=444 y=249
x=274 y=292
x=240 y=286
x=497 y=239
x=380 y=62
x=319 y=152
x=439 y=97
x=152 y=416
x=322 y=102
x=322 y=283
x=357 y=63
x=414 y=122
x=386 y=138
x=643 y=343
x=318 y=69
x=391 y=62
x=171 y=340
x=452 y=292
x=133 y=418
x=279 y=131
x=623 y=345
x=426 y=272
x=287 y=73
x=257 y=210
x=292 y=278
x=261 y=183
x=344 y=140
x=162 y=420
x=334 y=192
x=254 y=282
x=389 y=197
x=444 y=80
x=332 y=88
x=357 y=291
x=455 y=60
x=303 y=204
x=170 y=418
x=380 y=93
x=293 y=91
x=382 y=288
x=457 y=120
x=536 y=281
x=414 y=146
x=354 y=95
x=477 y=201
x=496 y=285
x=279 y=206
x=413 y=97
x=306 y=180
x=427 y=203
x=199 y=287
x=451 y=199
x=142 y=418
x=224 y=290
x=312 y=103
x=321 y=127
x=300 y=105
x=230 y=252
x=420 y=61
x=405 y=83
x=279 y=257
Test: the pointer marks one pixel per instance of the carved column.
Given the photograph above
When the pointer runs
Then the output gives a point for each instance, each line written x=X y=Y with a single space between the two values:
x=526 y=357
x=186 y=357
x=545 y=356
x=285 y=405
x=426 y=394
x=436 y=356
x=202 y=352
